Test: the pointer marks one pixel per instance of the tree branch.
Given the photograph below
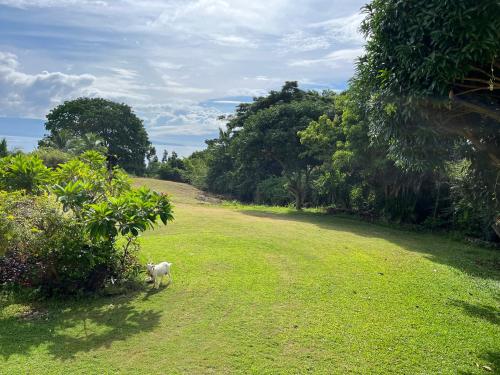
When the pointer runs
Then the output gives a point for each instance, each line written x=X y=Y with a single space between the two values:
x=494 y=115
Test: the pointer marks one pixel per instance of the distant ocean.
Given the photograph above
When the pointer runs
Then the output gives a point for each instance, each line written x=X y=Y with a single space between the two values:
x=24 y=134
x=21 y=133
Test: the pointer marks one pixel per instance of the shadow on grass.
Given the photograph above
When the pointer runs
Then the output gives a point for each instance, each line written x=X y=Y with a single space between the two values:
x=67 y=328
x=490 y=364
x=152 y=291
x=475 y=261
x=486 y=312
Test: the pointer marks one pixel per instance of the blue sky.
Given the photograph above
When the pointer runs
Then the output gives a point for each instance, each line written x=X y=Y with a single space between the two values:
x=179 y=63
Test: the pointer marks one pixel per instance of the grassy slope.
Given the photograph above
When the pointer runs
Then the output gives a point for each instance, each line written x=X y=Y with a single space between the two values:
x=261 y=290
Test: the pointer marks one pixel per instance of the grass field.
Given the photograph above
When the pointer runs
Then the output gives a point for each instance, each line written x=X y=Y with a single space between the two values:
x=267 y=290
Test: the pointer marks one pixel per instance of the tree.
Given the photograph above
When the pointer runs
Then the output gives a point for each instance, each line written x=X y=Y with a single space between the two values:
x=271 y=134
x=261 y=142
x=431 y=70
x=3 y=148
x=197 y=169
x=164 y=158
x=96 y=120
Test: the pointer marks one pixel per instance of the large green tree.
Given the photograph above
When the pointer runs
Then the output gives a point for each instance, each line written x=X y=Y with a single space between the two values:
x=272 y=134
x=261 y=142
x=431 y=68
x=112 y=125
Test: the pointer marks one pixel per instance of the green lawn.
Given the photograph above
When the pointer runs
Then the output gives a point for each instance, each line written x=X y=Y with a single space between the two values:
x=266 y=290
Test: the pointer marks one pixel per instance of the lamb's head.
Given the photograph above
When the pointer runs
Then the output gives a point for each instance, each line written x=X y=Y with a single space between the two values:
x=150 y=267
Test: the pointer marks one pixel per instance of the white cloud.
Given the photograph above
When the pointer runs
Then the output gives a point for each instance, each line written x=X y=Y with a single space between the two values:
x=246 y=91
x=325 y=34
x=228 y=101
x=342 y=29
x=30 y=95
x=165 y=65
x=343 y=56
x=125 y=73
x=301 y=41
x=233 y=41
x=179 y=118
x=51 y=3
x=176 y=87
x=203 y=15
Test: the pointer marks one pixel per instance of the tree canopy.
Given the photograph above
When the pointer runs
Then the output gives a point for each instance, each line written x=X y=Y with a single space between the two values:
x=430 y=70
x=261 y=141
x=97 y=122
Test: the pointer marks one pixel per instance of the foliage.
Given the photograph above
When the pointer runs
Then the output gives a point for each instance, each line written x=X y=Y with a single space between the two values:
x=52 y=157
x=430 y=72
x=93 y=123
x=273 y=191
x=261 y=141
x=196 y=169
x=73 y=143
x=167 y=172
x=81 y=232
x=49 y=250
x=170 y=168
x=474 y=209
x=23 y=172
x=334 y=160
x=3 y=148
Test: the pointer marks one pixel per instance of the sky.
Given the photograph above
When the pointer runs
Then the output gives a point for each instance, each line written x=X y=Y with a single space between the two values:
x=179 y=64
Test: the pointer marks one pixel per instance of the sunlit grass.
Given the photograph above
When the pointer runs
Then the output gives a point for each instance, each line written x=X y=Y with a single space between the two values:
x=268 y=290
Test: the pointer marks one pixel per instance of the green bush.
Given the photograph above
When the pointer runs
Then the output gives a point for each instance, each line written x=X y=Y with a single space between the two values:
x=52 y=157
x=196 y=169
x=167 y=172
x=23 y=172
x=79 y=232
x=48 y=249
x=273 y=191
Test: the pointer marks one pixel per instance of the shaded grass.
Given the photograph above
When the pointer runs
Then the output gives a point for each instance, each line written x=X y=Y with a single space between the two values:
x=267 y=290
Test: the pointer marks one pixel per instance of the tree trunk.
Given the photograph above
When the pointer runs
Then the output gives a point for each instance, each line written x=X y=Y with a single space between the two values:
x=436 y=204
x=297 y=189
x=299 y=200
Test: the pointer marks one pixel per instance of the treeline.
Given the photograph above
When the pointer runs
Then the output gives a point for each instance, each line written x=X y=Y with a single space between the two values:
x=414 y=139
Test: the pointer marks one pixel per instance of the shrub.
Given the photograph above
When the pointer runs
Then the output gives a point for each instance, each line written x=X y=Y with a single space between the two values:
x=79 y=232
x=47 y=249
x=273 y=191
x=23 y=172
x=167 y=172
x=52 y=157
x=196 y=170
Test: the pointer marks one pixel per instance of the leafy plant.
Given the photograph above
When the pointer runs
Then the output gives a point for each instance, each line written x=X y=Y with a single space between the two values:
x=81 y=232
x=23 y=172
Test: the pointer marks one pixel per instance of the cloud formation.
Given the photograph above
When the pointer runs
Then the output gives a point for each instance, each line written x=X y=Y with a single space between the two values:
x=31 y=94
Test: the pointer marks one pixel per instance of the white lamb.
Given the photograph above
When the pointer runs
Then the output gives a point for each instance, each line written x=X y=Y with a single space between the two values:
x=157 y=271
